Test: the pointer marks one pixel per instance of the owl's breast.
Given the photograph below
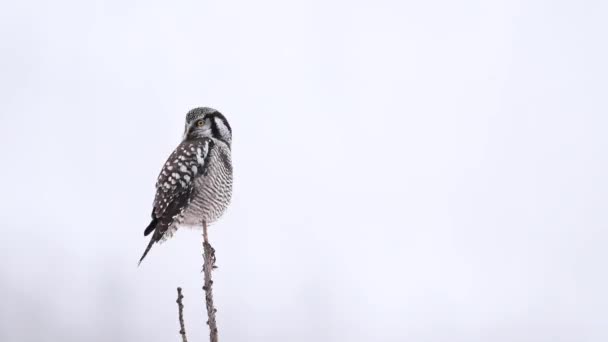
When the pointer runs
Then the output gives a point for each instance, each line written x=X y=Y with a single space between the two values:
x=212 y=191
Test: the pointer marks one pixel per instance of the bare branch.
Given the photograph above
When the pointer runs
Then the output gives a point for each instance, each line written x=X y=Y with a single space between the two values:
x=180 y=307
x=208 y=266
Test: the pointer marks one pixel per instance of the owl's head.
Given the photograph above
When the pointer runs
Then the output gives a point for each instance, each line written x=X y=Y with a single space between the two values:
x=207 y=122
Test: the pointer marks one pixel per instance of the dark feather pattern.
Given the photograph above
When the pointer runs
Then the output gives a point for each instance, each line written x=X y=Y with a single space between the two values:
x=152 y=225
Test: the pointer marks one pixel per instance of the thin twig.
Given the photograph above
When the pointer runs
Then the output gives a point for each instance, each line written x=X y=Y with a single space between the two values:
x=208 y=266
x=180 y=307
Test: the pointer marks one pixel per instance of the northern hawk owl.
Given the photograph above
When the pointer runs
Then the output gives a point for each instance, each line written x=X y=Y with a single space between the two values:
x=195 y=184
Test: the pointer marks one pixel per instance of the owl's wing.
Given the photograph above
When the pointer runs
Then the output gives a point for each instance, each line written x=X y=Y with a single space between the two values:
x=176 y=179
x=175 y=185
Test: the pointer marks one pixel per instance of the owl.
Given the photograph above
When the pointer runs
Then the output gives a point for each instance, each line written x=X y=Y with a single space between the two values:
x=194 y=186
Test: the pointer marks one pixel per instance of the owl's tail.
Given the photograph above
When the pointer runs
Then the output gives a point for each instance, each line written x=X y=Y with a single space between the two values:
x=152 y=227
x=152 y=241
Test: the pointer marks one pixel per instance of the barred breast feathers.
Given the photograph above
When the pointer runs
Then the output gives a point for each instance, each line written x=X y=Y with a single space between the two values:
x=212 y=191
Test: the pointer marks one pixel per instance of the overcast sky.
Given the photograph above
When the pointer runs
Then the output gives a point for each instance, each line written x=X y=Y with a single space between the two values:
x=404 y=171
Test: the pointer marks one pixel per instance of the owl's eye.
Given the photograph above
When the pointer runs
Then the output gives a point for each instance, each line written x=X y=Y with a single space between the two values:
x=200 y=123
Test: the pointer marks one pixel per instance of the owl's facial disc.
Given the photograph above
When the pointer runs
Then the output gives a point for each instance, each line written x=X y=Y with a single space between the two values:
x=207 y=122
x=199 y=127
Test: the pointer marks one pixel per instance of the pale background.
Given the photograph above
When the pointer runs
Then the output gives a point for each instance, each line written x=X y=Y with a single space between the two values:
x=405 y=171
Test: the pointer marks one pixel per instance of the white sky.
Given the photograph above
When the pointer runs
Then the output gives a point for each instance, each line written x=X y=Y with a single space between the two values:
x=405 y=171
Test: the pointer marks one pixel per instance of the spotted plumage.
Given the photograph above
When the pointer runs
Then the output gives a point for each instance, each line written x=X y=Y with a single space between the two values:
x=195 y=184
